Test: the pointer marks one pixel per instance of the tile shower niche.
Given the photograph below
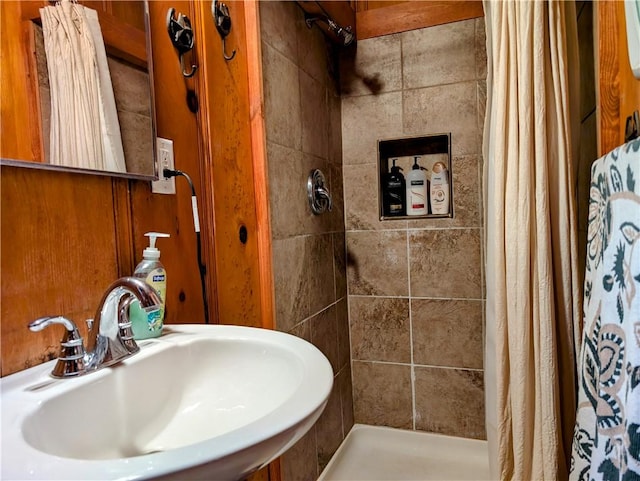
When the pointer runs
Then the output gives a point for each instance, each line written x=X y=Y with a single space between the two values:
x=429 y=151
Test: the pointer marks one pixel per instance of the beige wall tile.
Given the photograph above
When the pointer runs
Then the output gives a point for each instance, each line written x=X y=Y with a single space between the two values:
x=382 y=394
x=320 y=270
x=444 y=108
x=291 y=278
x=367 y=119
x=346 y=396
x=445 y=263
x=287 y=191
x=300 y=463
x=315 y=117
x=340 y=264
x=482 y=110
x=302 y=330
x=336 y=184
x=335 y=128
x=324 y=335
x=329 y=428
x=481 y=49
x=137 y=141
x=276 y=20
x=377 y=263
x=344 y=343
x=41 y=58
x=447 y=333
x=450 y=401
x=283 y=118
x=380 y=329
x=45 y=119
x=313 y=51
x=373 y=66
x=131 y=87
x=439 y=55
x=362 y=199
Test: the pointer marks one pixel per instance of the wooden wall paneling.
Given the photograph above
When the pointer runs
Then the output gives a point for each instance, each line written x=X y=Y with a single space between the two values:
x=58 y=254
x=608 y=86
x=123 y=221
x=617 y=90
x=413 y=15
x=17 y=119
x=228 y=170
x=172 y=213
x=629 y=85
x=259 y=156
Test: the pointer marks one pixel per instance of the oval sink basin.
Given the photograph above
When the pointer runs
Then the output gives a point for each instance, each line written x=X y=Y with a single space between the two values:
x=200 y=402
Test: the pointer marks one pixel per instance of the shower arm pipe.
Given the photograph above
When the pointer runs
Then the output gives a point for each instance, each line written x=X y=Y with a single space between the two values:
x=340 y=13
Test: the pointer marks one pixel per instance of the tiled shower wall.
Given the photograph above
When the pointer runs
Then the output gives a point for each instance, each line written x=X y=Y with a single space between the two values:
x=416 y=287
x=302 y=118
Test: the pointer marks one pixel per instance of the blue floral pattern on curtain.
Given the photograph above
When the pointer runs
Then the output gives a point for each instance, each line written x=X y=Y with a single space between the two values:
x=606 y=444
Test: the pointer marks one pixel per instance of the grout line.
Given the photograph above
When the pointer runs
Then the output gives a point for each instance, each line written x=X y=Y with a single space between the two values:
x=402 y=229
x=431 y=366
x=413 y=376
x=426 y=298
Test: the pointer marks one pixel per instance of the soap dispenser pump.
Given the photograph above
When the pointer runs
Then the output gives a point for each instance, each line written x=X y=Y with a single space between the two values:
x=149 y=324
x=417 y=203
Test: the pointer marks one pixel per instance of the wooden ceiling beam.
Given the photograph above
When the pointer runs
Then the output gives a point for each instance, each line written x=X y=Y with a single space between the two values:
x=412 y=15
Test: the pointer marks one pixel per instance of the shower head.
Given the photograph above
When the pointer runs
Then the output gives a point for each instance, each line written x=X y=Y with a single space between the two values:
x=344 y=34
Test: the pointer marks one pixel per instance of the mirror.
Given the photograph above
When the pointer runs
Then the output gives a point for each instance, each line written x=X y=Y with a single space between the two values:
x=125 y=31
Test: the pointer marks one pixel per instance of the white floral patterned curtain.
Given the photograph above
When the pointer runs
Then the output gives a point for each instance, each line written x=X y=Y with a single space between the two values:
x=85 y=131
x=606 y=445
x=532 y=286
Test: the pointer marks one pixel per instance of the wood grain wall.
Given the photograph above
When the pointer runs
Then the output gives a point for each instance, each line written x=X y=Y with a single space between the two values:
x=617 y=91
x=65 y=237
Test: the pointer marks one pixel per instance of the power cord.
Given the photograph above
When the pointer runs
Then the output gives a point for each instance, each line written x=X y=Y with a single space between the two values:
x=168 y=173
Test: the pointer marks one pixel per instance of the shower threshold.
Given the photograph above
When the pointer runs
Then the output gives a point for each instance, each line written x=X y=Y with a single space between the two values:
x=374 y=453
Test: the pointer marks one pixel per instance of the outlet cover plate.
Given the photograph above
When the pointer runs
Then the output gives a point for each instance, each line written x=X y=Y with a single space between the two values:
x=164 y=160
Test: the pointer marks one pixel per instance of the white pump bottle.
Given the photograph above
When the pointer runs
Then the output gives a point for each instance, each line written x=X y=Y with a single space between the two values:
x=146 y=324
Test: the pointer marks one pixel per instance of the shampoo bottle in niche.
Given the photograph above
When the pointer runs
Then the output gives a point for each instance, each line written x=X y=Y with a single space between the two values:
x=417 y=190
x=394 y=191
x=439 y=189
x=146 y=324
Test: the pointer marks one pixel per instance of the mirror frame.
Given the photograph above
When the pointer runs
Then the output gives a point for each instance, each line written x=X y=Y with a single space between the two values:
x=31 y=14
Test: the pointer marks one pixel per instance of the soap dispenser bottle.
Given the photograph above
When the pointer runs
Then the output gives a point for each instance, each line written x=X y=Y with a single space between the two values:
x=146 y=324
x=417 y=190
x=394 y=191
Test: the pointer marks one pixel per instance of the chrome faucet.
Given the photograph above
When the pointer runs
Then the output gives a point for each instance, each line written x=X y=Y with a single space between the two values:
x=110 y=338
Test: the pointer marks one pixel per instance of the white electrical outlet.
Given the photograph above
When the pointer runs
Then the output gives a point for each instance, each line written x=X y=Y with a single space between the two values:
x=164 y=153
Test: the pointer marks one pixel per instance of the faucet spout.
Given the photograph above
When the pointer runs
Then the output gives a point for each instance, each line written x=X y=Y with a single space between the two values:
x=110 y=336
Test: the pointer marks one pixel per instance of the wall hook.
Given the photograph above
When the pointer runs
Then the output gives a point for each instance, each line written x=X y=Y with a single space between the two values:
x=182 y=38
x=222 y=20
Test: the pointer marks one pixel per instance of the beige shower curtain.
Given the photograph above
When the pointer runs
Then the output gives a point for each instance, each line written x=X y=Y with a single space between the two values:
x=533 y=291
x=85 y=131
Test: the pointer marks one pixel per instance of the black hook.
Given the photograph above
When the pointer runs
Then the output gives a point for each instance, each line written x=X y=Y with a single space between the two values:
x=223 y=24
x=182 y=38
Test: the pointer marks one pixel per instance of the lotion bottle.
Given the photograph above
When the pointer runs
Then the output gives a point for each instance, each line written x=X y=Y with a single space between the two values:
x=439 y=189
x=146 y=324
x=417 y=190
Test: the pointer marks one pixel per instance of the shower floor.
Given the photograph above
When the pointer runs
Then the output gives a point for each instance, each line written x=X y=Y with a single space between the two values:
x=374 y=453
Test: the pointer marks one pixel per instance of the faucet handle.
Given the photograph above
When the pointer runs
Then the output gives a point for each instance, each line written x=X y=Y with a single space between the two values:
x=72 y=353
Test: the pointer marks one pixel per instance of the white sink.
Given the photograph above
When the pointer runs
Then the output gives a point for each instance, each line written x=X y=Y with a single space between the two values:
x=200 y=402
